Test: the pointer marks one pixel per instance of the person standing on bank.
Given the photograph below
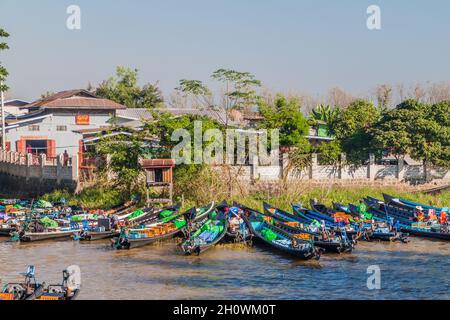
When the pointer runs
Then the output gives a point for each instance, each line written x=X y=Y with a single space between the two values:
x=65 y=158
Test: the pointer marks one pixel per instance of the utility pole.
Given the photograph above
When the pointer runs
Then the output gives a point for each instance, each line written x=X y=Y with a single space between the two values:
x=3 y=118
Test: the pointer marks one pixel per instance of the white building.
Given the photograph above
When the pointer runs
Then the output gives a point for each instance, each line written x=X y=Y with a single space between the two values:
x=57 y=123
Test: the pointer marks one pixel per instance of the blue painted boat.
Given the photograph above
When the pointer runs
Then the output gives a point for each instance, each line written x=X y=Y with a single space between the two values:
x=384 y=211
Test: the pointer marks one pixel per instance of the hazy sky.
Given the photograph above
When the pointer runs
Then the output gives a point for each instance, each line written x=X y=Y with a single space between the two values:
x=291 y=45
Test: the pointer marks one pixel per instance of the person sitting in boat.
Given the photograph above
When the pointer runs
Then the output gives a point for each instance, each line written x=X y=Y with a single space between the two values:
x=419 y=216
x=432 y=216
x=235 y=218
x=115 y=222
x=397 y=226
x=443 y=217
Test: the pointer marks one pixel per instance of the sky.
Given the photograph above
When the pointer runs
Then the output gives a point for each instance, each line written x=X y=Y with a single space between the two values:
x=290 y=45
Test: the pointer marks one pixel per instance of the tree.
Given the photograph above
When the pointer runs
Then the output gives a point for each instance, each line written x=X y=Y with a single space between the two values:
x=239 y=92
x=286 y=116
x=330 y=153
x=391 y=135
x=429 y=132
x=325 y=113
x=240 y=88
x=418 y=129
x=352 y=130
x=3 y=71
x=124 y=89
x=340 y=98
x=123 y=151
x=3 y=86
x=384 y=96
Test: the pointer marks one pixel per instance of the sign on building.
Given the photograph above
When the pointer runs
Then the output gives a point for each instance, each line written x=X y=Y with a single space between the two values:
x=82 y=120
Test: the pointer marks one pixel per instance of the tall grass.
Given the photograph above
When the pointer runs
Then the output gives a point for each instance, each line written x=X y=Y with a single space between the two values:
x=209 y=185
x=89 y=198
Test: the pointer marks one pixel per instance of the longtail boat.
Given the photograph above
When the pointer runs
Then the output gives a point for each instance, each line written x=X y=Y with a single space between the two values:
x=407 y=204
x=238 y=231
x=167 y=227
x=207 y=236
x=406 y=223
x=324 y=239
x=29 y=289
x=309 y=216
x=69 y=289
x=33 y=230
x=278 y=239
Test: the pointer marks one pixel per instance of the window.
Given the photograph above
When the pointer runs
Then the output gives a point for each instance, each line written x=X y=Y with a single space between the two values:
x=61 y=128
x=33 y=128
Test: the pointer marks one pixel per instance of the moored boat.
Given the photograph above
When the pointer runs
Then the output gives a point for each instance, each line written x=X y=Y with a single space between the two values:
x=48 y=235
x=341 y=228
x=406 y=223
x=207 y=236
x=167 y=227
x=69 y=289
x=280 y=240
x=325 y=239
x=238 y=231
x=29 y=289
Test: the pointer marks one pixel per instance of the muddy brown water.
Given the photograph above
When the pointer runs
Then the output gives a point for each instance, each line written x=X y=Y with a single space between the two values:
x=418 y=270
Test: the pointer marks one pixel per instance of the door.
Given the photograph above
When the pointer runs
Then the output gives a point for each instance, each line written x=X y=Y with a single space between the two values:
x=21 y=146
x=51 y=148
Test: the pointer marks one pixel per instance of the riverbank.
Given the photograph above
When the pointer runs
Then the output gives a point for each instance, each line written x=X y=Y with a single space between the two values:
x=104 y=198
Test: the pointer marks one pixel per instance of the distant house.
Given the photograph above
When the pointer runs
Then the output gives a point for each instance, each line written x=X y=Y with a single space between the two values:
x=319 y=133
x=13 y=108
x=58 y=122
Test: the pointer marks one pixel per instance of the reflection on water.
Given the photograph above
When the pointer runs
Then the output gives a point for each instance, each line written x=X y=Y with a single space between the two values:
x=418 y=270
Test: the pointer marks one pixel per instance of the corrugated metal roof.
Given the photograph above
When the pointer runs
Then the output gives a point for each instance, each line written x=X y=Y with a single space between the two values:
x=83 y=103
x=146 y=114
x=157 y=163
x=134 y=114
x=78 y=98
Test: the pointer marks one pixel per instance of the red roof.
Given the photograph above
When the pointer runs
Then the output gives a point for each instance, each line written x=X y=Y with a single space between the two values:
x=74 y=99
x=157 y=163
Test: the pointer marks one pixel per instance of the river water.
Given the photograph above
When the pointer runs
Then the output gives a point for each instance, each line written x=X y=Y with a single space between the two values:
x=418 y=270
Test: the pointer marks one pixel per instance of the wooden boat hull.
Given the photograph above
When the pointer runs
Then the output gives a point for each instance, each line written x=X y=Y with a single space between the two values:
x=303 y=254
x=406 y=224
x=137 y=243
x=299 y=254
x=426 y=234
x=202 y=248
x=32 y=237
x=328 y=246
x=305 y=218
x=382 y=236
x=37 y=291
x=6 y=232
x=94 y=236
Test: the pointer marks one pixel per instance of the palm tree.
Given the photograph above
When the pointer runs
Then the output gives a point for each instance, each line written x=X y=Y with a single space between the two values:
x=325 y=113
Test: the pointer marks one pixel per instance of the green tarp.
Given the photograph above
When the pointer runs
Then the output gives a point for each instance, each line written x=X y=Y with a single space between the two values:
x=362 y=209
x=166 y=213
x=268 y=234
x=136 y=214
x=180 y=223
x=42 y=204
x=49 y=223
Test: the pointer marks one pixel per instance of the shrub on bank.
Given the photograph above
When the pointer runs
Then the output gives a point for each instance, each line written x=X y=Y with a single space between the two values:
x=89 y=198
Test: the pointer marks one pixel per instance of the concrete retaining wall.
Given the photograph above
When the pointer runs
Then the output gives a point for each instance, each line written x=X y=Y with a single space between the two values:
x=29 y=175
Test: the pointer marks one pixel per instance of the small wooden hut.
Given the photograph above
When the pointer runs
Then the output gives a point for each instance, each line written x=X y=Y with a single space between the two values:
x=159 y=173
